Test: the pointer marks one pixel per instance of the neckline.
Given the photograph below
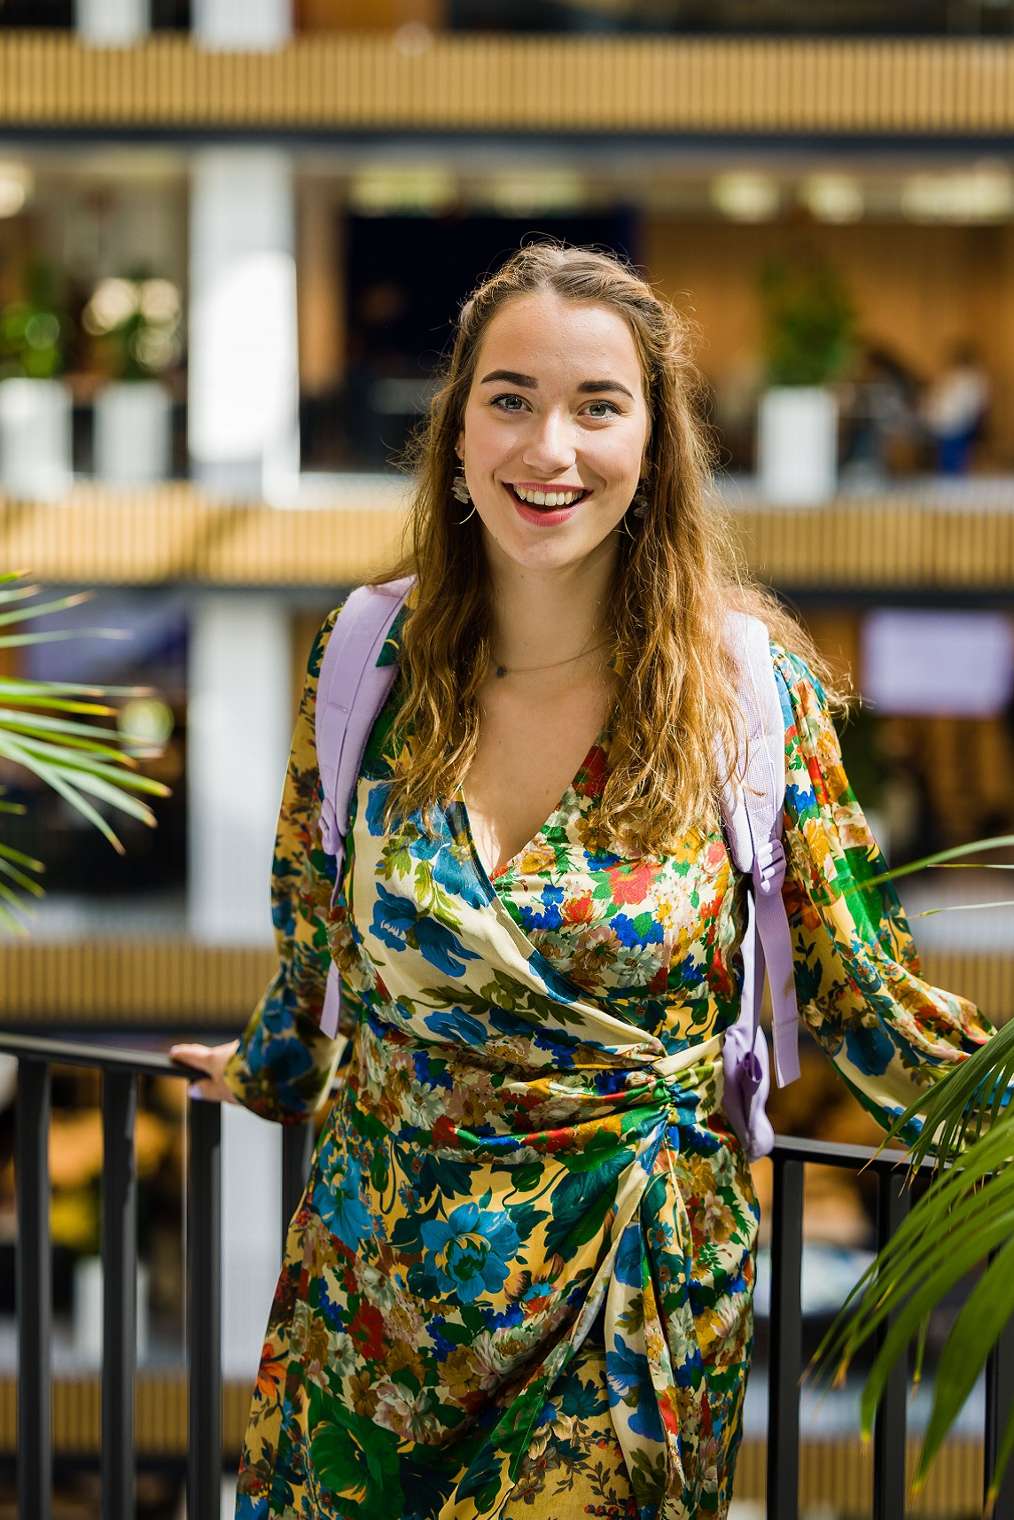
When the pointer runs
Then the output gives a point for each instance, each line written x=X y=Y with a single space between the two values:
x=489 y=878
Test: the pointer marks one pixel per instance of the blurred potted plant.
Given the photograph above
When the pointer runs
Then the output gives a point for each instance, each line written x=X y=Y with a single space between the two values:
x=808 y=341
x=35 y=403
x=112 y=23
x=41 y=731
x=135 y=327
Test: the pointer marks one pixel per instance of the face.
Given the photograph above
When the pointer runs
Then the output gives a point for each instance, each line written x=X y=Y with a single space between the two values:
x=556 y=408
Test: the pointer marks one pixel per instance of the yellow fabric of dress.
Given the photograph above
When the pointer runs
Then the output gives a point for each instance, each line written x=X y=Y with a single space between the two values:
x=519 y=1282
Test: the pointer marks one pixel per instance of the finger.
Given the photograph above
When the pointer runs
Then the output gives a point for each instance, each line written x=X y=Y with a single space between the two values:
x=194 y=1090
x=192 y=1055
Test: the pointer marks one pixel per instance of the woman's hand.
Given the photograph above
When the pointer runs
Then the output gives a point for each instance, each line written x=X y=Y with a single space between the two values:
x=211 y=1059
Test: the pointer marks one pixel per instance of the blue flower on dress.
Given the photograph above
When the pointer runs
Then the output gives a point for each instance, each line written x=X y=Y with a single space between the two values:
x=454 y=876
x=442 y=948
x=283 y=915
x=397 y=924
x=869 y=1048
x=456 y=1024
x=627 y=932
x=627 y=1268
x=627 y=1372
x=376 y=801
x=468 y=1253
x=273 y=1048
x=800 y=802
x=340 y=1206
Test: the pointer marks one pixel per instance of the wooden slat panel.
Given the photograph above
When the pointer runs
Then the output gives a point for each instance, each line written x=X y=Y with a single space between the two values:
x=131 y=982
x=940 y=86
x=839 y=1468
x=135 y=981
x=174 y=532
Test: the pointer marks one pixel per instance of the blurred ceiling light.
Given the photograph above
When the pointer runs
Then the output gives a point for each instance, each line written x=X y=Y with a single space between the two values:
x=160 y=301
x=146 y=719
x=832 y=197
x=983 y=192
x=520 y=194
x=376 y=190
x=413 y=38
x=112 y=302
x=16 y=185
x=745 y=197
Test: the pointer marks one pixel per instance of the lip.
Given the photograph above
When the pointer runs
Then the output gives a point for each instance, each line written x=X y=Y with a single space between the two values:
x=538 y=515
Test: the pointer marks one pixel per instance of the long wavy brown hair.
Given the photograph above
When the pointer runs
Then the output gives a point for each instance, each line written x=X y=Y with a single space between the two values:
x=674 y=579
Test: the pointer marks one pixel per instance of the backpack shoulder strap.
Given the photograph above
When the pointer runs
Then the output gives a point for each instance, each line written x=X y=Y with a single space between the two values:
x=350 y=693
x=351 y=690
x=753 y=808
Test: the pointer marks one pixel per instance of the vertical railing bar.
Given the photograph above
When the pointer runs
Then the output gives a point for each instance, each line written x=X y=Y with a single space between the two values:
x=999 y=1405
x=204 y=1310
x=890 y=1437
x=119 y=1293
x=786 y=1340
x=297 y=1148
x=33 y=1285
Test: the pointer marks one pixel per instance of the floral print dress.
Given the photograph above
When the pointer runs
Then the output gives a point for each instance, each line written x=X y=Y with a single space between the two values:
x=519 y=1282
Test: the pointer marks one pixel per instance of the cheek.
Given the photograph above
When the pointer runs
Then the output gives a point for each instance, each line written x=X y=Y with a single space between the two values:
x=615 y=456
x=485 y=438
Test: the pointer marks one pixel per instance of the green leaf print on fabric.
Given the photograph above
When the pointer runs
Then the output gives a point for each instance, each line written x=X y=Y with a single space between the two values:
x=355 y=1459
x=509 y=1132
x=581 y=1202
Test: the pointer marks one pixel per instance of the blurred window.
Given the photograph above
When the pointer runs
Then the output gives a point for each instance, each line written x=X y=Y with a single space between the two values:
x=771 y=17
x=399 y=316
x=166 y=15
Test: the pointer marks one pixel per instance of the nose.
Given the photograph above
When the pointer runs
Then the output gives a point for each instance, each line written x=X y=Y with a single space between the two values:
x=548 y=447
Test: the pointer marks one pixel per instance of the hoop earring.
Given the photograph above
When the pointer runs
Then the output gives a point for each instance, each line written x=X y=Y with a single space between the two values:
x=459 y=489
x=638 y=508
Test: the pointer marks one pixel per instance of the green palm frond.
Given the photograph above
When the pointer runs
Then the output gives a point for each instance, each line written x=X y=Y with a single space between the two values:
x=964 y=1223
x=76 y=759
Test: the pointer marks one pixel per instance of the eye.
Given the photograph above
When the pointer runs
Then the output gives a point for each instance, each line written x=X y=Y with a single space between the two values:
x=615 y=409
x=507 y=396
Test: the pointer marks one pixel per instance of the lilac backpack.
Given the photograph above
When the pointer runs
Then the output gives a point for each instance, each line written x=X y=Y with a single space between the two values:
x=351 y=691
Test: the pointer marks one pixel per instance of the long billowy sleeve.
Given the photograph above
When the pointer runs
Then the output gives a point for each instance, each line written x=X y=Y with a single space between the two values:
x=285 y=1065
x=858 y=977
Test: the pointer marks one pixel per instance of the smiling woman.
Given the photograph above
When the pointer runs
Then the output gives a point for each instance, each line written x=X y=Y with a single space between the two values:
x=519 y=1282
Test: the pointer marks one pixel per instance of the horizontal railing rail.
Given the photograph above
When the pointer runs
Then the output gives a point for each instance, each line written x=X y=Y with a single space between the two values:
x=121 y=1070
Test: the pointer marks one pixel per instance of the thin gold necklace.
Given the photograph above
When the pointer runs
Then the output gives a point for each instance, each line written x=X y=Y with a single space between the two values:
x=503 y=670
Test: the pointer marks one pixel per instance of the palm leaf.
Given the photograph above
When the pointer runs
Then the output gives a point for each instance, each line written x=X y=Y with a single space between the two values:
x=964 y=1124
x=73 y=760
x=42 y=609
x=60 y=635
x=78 y=760
x=966 y=1214
x=940 y=857
x=976 y=1329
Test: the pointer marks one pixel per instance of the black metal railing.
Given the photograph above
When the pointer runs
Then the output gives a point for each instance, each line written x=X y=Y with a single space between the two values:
x=890 y=1430
x=121 y=1070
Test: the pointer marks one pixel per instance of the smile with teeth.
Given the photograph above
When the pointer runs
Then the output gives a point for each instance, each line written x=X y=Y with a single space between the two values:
x=547 y=498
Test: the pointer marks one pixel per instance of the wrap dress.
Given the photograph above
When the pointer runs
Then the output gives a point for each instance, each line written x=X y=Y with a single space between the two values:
x=519 y=1281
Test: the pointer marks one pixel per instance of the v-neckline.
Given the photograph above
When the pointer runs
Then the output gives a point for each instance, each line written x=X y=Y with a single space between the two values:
x=489 y=878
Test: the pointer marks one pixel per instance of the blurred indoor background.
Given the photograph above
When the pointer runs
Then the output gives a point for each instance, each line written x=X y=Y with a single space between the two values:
x=233 y=238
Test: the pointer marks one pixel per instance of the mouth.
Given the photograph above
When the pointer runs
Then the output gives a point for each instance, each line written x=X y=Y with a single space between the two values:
x=560 y=503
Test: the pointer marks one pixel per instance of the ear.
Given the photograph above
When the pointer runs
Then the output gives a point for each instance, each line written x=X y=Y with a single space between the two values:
x=459 y=444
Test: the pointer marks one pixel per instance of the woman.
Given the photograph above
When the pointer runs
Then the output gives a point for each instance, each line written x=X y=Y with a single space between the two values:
x=519 y=1281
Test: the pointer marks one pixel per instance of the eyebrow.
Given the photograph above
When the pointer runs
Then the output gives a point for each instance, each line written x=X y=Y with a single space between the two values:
x=528 y=382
